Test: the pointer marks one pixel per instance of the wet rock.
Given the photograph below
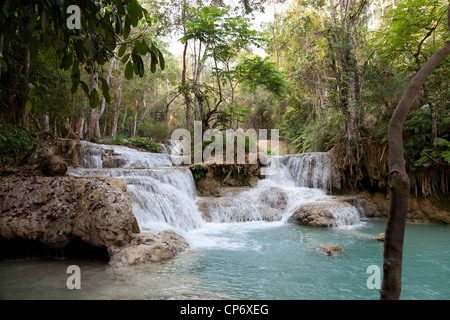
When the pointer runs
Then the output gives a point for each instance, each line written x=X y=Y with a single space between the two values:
x=53 y=165
x=113 y=162
x=274 y=197
x=420 y=209
x=206 y=206
x=148 y=247
x=237 y=208
x=58 y=210
x=380 y=237
x=313 y=214
x=332 y=250
x=229 y=191
x=219 y=175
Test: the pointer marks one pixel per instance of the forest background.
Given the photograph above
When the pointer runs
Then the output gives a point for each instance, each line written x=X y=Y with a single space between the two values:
x=327 y=73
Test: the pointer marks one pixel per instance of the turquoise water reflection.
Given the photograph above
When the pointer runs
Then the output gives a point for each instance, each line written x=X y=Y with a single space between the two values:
x=255 y=260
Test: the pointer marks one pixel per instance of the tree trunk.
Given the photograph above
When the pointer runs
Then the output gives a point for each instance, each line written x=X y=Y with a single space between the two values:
x=26 y=120
x=117 y=101
x=399 y=181
x=104 y=103
x=80 y=128
x=92 y=123
x=1 y=52
x=45 y=123
x=187 y=97
x=93 y=83
x=122 y=127
x=133 y=128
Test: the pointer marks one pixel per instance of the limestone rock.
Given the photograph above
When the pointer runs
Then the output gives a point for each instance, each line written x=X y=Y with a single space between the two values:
x=317 y=214
x=58 y=210
x=53 y=165
x=420 y=209
x=380 y=237
x=274 y=197
x=229 y=191
x=148 y=247
x=332 y=250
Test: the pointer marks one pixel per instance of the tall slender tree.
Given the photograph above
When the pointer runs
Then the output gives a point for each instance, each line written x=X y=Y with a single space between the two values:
x=399 y=181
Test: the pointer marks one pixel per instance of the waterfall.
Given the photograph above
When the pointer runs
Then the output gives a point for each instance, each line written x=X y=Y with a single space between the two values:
x=312 y=170
x=297 y=180
x=97 y=155
x=162 y=196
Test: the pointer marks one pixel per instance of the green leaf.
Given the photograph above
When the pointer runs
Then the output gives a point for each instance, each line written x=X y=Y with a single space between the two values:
x=28 y=105
x=122 y=50
x=140 y=66
x=75 y=87
x=85 y=87
x=141 y=47
x=59 y=44
x=75 y=71
x=125 y=58
x=66 y=61
x=105 y=89
x=129 y=71
x=161 y=60
x=93 y=98
x=4 y=65
x=154 y=62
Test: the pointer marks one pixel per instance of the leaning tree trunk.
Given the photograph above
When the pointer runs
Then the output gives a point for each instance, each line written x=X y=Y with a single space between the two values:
x=399 y=181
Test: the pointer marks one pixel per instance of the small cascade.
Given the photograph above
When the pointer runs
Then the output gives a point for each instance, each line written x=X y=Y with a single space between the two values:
x=174 y=147
x=311 y=170
x=346 y=217
x=112 y=156
x=162 y=196
x=92 y=157
x=296 y=180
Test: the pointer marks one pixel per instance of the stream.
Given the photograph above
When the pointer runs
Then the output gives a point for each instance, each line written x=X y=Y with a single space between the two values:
x=239 y=254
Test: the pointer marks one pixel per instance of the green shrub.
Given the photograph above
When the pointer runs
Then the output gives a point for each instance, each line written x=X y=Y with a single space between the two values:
x=199 y=171
x=15 y=143
x=146 y=144
x=156 y=130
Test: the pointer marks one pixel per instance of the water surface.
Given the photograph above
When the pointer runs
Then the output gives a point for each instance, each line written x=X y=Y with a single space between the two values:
x=252 y=260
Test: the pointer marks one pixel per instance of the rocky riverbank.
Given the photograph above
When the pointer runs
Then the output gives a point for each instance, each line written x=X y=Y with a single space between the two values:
x=62 y=211
x=58 y=212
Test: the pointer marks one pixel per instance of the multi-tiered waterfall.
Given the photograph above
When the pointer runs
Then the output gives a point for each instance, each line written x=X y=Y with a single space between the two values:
x=164 y=196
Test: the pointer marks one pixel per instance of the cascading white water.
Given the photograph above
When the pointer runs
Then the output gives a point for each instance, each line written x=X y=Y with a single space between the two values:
x=312 y=170
x=296 y=180
x=162 y=196
x=94 y=155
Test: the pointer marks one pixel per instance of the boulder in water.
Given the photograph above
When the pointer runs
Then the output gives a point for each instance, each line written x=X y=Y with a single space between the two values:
x=319 y=214
x=148 y=247
x=58 y=210
x=313 y=214
x=332 y=250
x=380 y=237
x=274 y=197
